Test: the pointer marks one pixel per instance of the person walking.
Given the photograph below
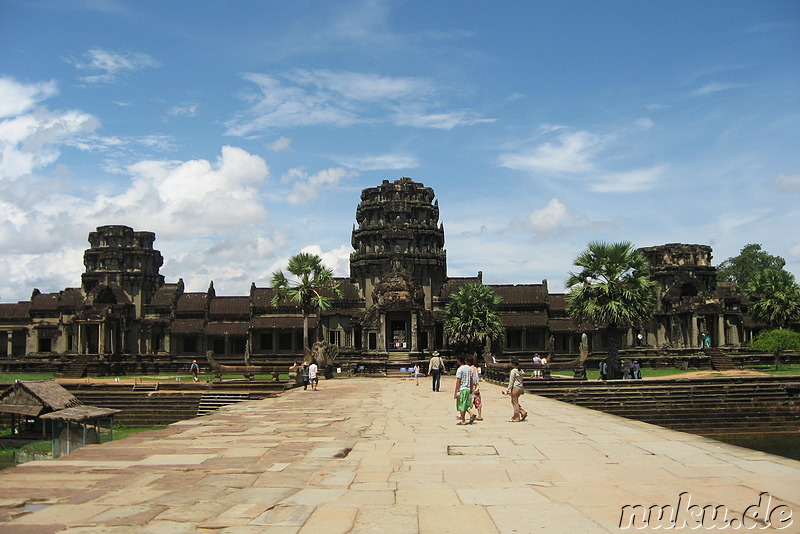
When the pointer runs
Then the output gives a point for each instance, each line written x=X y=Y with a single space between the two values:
x=195 y=370
x=416 y=373
x=537 y=366
x=435 y=368
x=515 y=389
x=304 y=371
x=313 y=378
x=463 y=391
x=477 y=401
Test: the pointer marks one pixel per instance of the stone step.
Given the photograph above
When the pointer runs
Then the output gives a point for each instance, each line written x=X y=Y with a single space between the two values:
x=210 y=402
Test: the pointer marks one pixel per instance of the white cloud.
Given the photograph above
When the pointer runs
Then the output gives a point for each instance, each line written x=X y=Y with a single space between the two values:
x=628 y=181
x=645 y=123
x=280 y=145
x=571 y=152
x=550 y=219
x=307 y=187
x=33 y=140
x=193 y=197
x=203 y=212
x=711 y=88
x=363 y=87
x=341 y=99
x=380 y=162
x=186 y=110
x=439 y=121
x=787 y=182
x=18 y=98
x=109 y=66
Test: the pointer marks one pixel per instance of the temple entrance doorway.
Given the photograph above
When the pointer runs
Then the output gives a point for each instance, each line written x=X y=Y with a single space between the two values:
x=398 y=338
x=91 y=334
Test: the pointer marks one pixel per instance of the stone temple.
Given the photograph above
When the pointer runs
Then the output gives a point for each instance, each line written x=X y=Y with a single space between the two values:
x=392 y=308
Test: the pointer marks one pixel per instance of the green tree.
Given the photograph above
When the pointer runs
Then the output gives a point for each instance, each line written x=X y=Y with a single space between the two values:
x=307 y=285
x=775 y=297
x=750 y=261
x=471 y=318
x=776 y=341
x=612 y=290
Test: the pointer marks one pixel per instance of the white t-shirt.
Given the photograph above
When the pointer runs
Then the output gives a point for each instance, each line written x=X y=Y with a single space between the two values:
x=312 y=371
x=464 y=373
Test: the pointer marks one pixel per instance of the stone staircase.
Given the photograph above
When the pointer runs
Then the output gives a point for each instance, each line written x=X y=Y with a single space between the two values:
x=144 y=408
x=710 y=407
x=76 y=368
x=720 y=361
x=212 y=401
x=397 y=361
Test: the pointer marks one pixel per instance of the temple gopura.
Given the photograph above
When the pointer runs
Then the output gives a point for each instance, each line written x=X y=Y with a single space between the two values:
x=392 y=307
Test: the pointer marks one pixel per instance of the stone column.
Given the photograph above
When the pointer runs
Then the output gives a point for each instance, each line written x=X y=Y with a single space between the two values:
x=413 y=347
x=9 y=343
x=101 y=337
x=734 y=337
x=382 y=334
x=722 y=335
x=693 y=331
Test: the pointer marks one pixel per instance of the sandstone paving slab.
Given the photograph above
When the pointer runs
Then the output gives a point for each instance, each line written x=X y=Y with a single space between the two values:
x=544 y=518
x=131 y=497
x=365 y=498
x=182 y=497
x=64 y=514
x=267 y=496
x=330 y=520
x=229 y=480
x=238 y=515
x=167 y=527
x=131 y=516
x=377 y=519
x=199 y=511
x=176 y=459
x=312 y=497
x=453 y=519
x=498 y=495
x=284 y=516
x=427 y=495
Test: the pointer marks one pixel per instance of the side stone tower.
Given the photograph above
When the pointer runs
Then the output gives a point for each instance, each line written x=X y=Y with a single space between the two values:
x=691 y=305
x=120 y=257
x=398 y=232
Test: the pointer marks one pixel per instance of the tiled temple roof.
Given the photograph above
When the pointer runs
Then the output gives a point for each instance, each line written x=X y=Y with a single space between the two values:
x=230 y=307
x=521 y=293
x=15 y=312
x=193 y=302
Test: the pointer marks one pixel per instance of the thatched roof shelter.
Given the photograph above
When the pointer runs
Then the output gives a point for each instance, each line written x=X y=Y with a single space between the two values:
x=36 y=397
x=78 y=414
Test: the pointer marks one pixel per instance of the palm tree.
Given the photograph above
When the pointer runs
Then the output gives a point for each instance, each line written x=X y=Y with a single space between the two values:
x=471 y=318
x=612 y=290
x=310 y=279
x=775 y=297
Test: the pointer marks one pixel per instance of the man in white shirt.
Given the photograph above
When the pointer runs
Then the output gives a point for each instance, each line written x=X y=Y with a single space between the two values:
x=312 y=375
x=463 y=391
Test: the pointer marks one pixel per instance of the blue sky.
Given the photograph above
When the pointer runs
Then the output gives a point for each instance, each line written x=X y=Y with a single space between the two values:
x=242 y=132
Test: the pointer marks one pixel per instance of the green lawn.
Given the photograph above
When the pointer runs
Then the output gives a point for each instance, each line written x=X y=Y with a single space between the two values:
x=9 y=378
x=594 y=374
x=784 y=370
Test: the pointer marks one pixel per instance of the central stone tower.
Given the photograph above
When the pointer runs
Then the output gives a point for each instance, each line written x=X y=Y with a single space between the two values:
x=399 y=264
x=398 y=232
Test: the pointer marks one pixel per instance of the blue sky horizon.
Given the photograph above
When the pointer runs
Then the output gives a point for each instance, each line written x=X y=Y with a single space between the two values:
x=243 y=132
